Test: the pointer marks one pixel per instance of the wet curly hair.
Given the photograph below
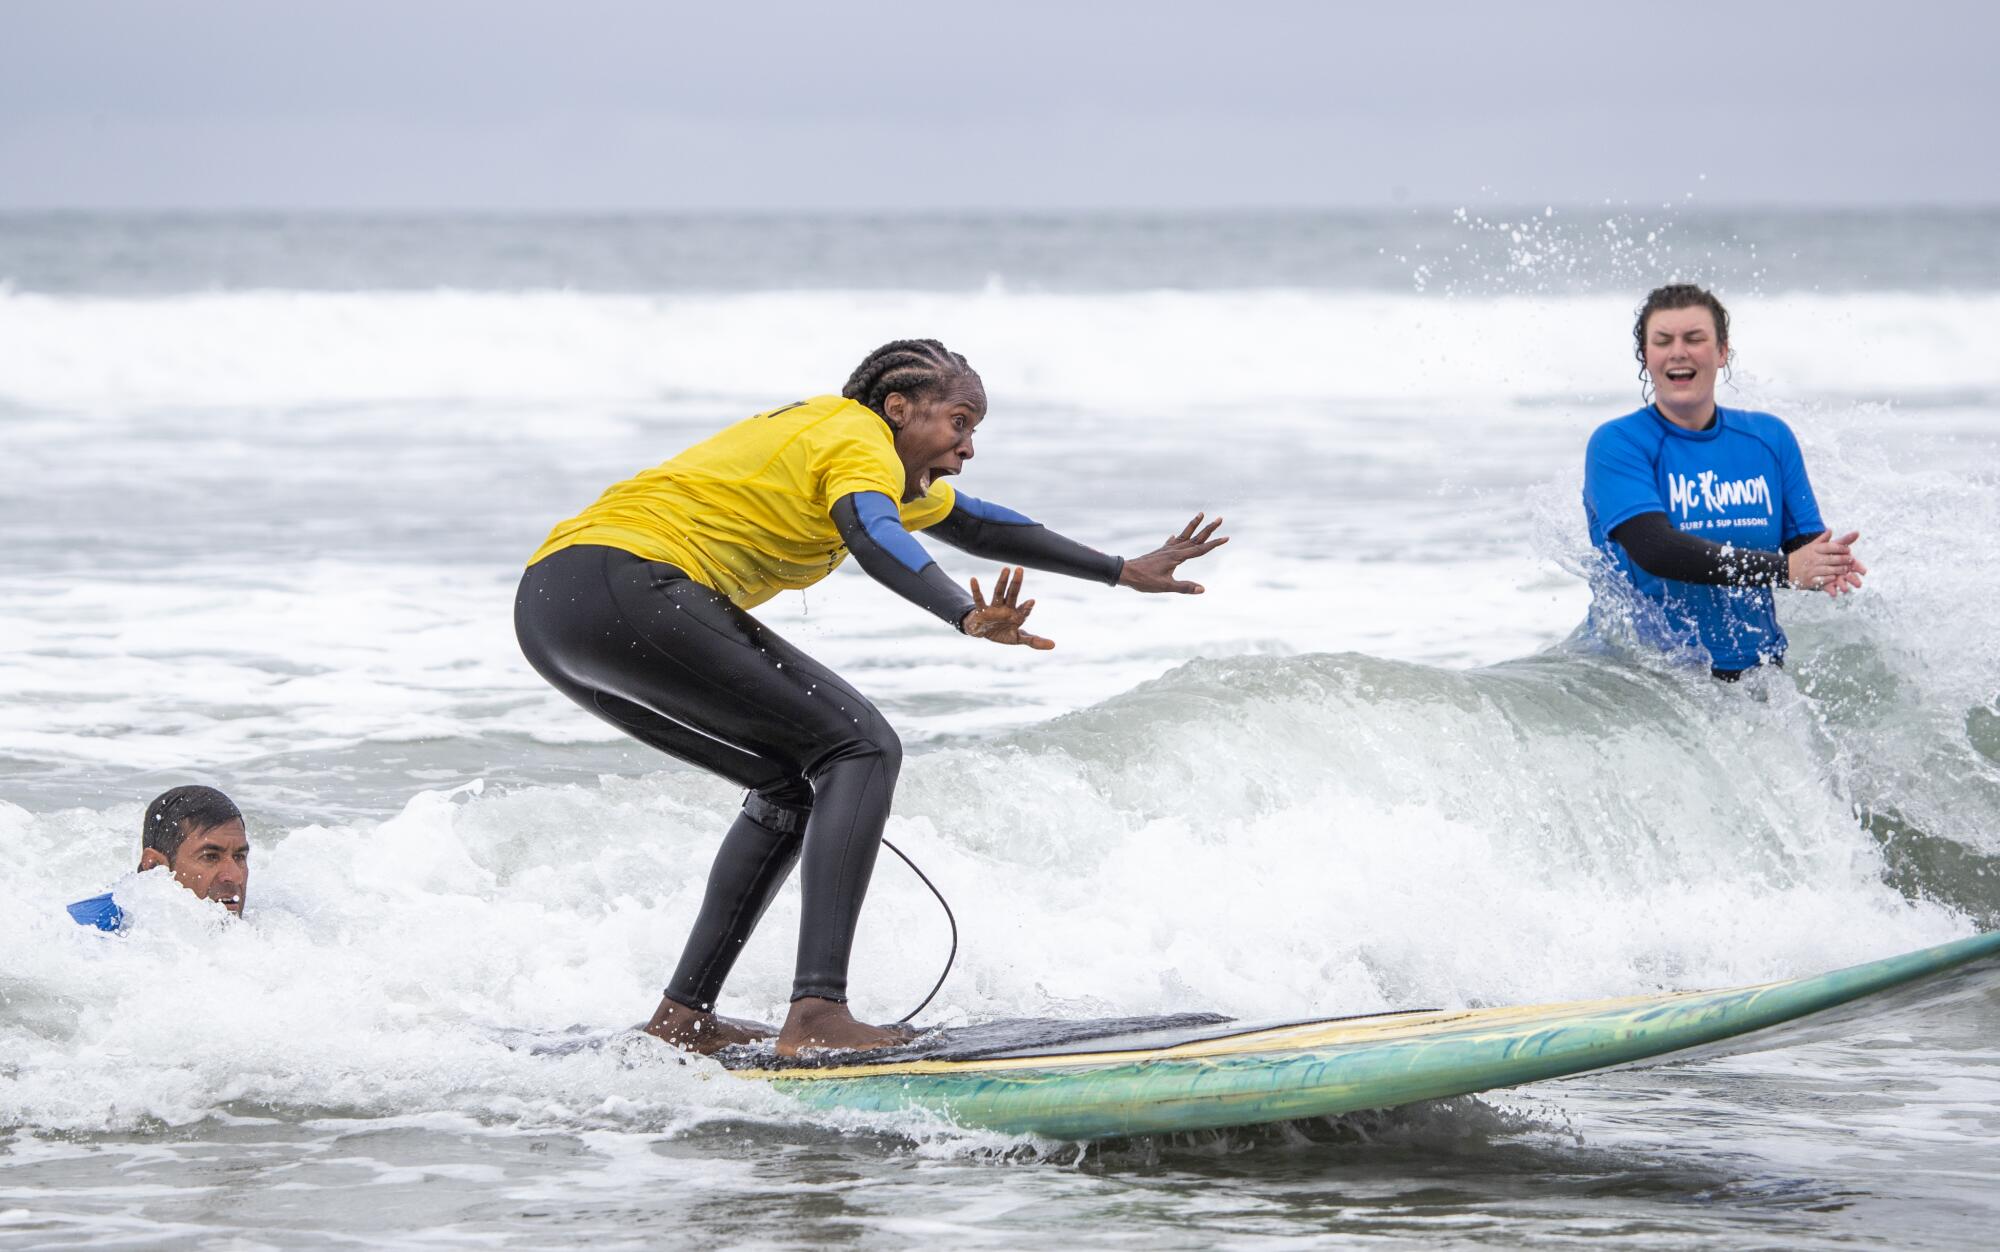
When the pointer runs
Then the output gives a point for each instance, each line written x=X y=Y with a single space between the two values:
x=1678 y=296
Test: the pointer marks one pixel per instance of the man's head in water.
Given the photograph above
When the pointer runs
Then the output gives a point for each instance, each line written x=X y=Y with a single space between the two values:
x=931 y=397
x=197 y=833
x=1682 y=341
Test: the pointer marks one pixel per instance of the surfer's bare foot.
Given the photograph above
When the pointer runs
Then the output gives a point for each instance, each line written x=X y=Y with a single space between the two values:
x=817 y=1023
x=696 y=1031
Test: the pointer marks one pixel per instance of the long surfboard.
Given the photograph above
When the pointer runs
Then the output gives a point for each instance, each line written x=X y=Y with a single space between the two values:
x=1139 y=1076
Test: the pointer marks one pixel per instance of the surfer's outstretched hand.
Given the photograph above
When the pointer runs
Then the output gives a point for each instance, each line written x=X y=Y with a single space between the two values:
x=1001 y=620
x=1155 y=570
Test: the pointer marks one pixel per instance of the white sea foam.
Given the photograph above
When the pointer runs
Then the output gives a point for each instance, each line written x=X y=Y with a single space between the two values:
x=1263 y=836
x=1169 y=351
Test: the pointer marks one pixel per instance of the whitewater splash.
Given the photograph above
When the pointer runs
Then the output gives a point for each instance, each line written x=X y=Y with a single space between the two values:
x=1174 y=352
x=1260 y=837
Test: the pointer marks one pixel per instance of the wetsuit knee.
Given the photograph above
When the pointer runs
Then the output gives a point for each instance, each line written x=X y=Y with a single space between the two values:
x=890 y=745
x=875 y=740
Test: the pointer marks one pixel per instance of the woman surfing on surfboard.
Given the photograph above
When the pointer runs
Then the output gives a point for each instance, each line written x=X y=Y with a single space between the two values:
x=638 y=610
x=1704 y=510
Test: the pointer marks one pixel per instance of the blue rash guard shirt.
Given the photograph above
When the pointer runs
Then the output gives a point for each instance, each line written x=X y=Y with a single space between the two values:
x=99 y=911
x=1740 y=482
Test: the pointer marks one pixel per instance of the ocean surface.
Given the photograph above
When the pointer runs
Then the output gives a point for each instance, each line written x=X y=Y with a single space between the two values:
x=269 y=482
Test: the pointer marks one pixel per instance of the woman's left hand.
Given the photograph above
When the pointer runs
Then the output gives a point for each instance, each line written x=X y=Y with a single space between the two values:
x=1001 y=621
x=1155 y=570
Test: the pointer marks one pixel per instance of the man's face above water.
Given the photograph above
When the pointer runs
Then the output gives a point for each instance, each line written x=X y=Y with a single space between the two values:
x=213 y=863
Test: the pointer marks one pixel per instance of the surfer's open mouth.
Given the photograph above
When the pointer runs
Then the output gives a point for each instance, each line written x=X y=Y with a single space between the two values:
x=1680 y=374
x=932 y=474
x=233 y=903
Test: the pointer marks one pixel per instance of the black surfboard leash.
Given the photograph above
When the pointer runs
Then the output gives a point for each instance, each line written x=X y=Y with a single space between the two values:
x=953 y=921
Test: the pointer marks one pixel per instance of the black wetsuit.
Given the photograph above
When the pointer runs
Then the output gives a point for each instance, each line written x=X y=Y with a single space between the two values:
x=678 y=667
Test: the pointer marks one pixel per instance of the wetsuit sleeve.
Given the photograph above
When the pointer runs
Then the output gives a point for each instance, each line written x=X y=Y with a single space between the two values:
x=873 y=531
x=1656 y=547
x=1801 y=521
x=989 y=530
x=1620 y=480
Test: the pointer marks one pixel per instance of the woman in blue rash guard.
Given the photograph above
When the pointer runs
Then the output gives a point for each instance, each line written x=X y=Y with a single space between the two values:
x=1704 y=510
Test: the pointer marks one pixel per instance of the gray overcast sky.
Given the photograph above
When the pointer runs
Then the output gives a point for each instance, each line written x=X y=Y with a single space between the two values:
x=607 y=105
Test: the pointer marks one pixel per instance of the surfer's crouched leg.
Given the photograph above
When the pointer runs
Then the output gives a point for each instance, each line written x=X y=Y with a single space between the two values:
x=852 y=786
x=756 y=857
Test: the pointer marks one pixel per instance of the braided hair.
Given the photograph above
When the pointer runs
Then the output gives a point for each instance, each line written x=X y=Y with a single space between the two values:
x=1678 y=296
x=915 y=367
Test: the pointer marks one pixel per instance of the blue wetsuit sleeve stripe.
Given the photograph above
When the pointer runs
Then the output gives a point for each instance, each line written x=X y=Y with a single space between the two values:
x=1001 y=534
x=883 y=525
x=988 y=512
x=872 y=528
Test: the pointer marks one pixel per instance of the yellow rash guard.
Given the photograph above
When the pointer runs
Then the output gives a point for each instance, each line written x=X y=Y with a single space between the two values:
x=747 y=512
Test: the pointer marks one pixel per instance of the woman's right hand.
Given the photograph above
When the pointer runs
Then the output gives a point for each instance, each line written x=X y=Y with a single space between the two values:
x=1826 y=564
x=1001 y=620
